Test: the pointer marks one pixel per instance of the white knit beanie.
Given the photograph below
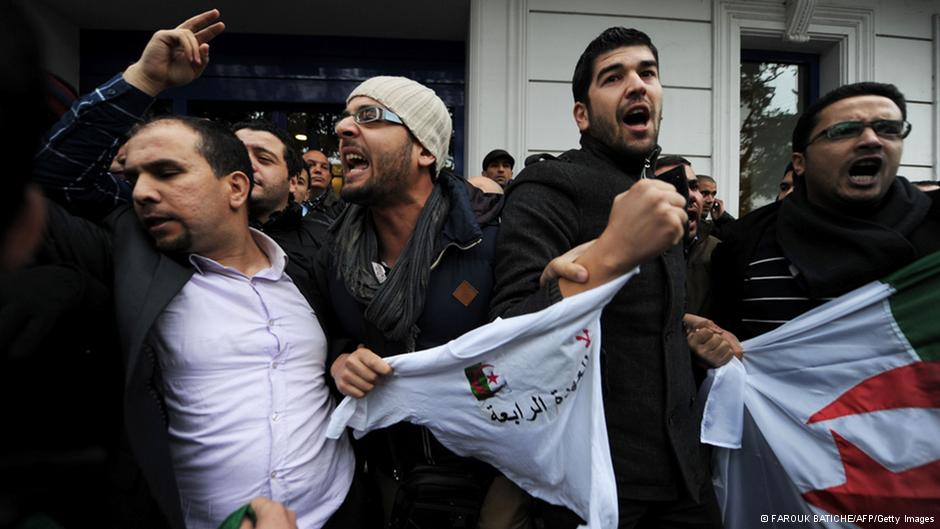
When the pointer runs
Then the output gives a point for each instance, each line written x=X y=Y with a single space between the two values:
x=418 y=106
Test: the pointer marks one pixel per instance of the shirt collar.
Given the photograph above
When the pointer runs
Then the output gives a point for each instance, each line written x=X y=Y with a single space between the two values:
x=275 y=255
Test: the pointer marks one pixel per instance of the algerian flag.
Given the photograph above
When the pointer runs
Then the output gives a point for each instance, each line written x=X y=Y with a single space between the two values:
x=522 y=394
x=833 y=420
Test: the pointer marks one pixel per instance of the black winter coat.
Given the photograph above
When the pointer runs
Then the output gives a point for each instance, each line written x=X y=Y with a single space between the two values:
x=649 y=392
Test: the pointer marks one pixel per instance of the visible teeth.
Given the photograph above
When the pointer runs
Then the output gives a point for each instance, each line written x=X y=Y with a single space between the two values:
x=353 y=158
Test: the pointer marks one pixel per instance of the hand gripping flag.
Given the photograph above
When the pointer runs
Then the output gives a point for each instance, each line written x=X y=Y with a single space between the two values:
x=833 y=419
x=522 y=394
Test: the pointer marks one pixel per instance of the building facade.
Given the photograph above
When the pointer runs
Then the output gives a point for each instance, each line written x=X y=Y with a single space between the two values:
x=726 y=65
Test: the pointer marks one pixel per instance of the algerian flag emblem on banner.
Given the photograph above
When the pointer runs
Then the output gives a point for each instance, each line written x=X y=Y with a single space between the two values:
x=523 y=394
x=833 y=419
x=484 y=382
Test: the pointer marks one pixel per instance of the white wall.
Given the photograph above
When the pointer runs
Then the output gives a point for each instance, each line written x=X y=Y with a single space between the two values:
x=905 y=55
x=556 y=40
x=884 y=40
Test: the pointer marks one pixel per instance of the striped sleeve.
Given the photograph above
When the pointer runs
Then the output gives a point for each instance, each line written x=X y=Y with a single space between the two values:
x=72 y=163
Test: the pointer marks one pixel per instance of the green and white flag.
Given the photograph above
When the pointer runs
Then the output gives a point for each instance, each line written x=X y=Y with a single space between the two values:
x=833 y=420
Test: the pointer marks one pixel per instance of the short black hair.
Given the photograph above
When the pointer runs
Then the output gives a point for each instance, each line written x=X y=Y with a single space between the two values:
x=707 y=178
x=220 y=147
x=806 y=123
x=668 y=160
x=788 y=168
x=293 y=158
x=610 y=39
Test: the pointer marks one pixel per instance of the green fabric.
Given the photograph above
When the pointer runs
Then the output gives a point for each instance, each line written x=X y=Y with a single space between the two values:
x=234 y=520
x=916 y=304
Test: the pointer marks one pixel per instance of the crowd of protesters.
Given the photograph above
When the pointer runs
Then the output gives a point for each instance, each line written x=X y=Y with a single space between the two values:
x=184 y=301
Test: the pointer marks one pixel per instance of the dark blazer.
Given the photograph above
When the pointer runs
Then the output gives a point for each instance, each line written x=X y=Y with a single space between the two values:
x=121 y=253
x=72 y=169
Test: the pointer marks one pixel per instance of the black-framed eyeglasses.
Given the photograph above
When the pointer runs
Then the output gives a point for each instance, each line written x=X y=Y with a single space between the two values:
x=884 y=128
x=370 y=114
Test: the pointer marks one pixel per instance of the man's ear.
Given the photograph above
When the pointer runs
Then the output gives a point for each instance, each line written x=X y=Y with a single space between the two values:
x=581 y=116
x=293 y=184
x=425 y=158
x=799 y=163
x=239 y=186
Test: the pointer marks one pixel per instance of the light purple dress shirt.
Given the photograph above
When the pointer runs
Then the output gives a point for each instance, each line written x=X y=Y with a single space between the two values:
x=243 y=365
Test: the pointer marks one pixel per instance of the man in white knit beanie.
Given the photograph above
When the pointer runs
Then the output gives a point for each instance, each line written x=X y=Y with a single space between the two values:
x=410 y=268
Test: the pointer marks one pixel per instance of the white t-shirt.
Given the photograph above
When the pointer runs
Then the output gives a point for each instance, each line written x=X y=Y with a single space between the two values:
x=522 y=394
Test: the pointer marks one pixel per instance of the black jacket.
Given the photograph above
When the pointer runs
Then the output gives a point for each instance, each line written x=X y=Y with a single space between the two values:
x=326 y=208
x=465 y=255
x=649 y=390
x=144 y=282
x=121 y=254
x=757 y=232
x=299 y=236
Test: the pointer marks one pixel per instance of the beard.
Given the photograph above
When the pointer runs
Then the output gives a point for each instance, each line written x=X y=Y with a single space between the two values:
x=608 y=130
x=390 y=171
x=180 y=244
x=265 y=201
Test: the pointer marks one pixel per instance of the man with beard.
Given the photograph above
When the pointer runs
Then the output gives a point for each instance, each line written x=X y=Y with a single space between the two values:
x=225 y=393
x=411 y=267
x=275 y=162
x=556 y=205
x=714 y=216
x=849 y=220
x=497 y=166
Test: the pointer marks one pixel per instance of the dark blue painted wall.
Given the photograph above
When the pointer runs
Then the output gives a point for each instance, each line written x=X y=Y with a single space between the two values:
x=292 y=69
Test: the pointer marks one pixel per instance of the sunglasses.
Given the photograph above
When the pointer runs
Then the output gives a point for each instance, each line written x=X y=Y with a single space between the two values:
x=370 y=114
x=884 y=128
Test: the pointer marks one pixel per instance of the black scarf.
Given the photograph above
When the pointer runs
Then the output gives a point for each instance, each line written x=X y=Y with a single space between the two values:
x=394 y=305
x=835 y=252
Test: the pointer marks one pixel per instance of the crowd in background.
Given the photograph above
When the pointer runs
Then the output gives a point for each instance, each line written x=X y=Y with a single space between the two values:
x=183 y=302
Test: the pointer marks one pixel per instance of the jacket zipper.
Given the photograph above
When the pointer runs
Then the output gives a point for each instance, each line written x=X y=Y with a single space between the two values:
x=648 y=162
x=425 y=435
x=459 y=247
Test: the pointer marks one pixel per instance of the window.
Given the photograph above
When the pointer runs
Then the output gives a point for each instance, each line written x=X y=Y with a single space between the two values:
x=775 y=88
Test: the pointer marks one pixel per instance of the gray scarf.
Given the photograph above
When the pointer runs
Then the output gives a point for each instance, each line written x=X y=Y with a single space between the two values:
x=394 y=305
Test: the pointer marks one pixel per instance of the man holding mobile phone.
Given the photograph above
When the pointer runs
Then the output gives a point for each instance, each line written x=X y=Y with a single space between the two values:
x=714 y=216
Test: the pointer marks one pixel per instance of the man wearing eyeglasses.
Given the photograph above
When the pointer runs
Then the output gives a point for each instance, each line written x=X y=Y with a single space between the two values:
x=850 y=219
x=409 y=268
